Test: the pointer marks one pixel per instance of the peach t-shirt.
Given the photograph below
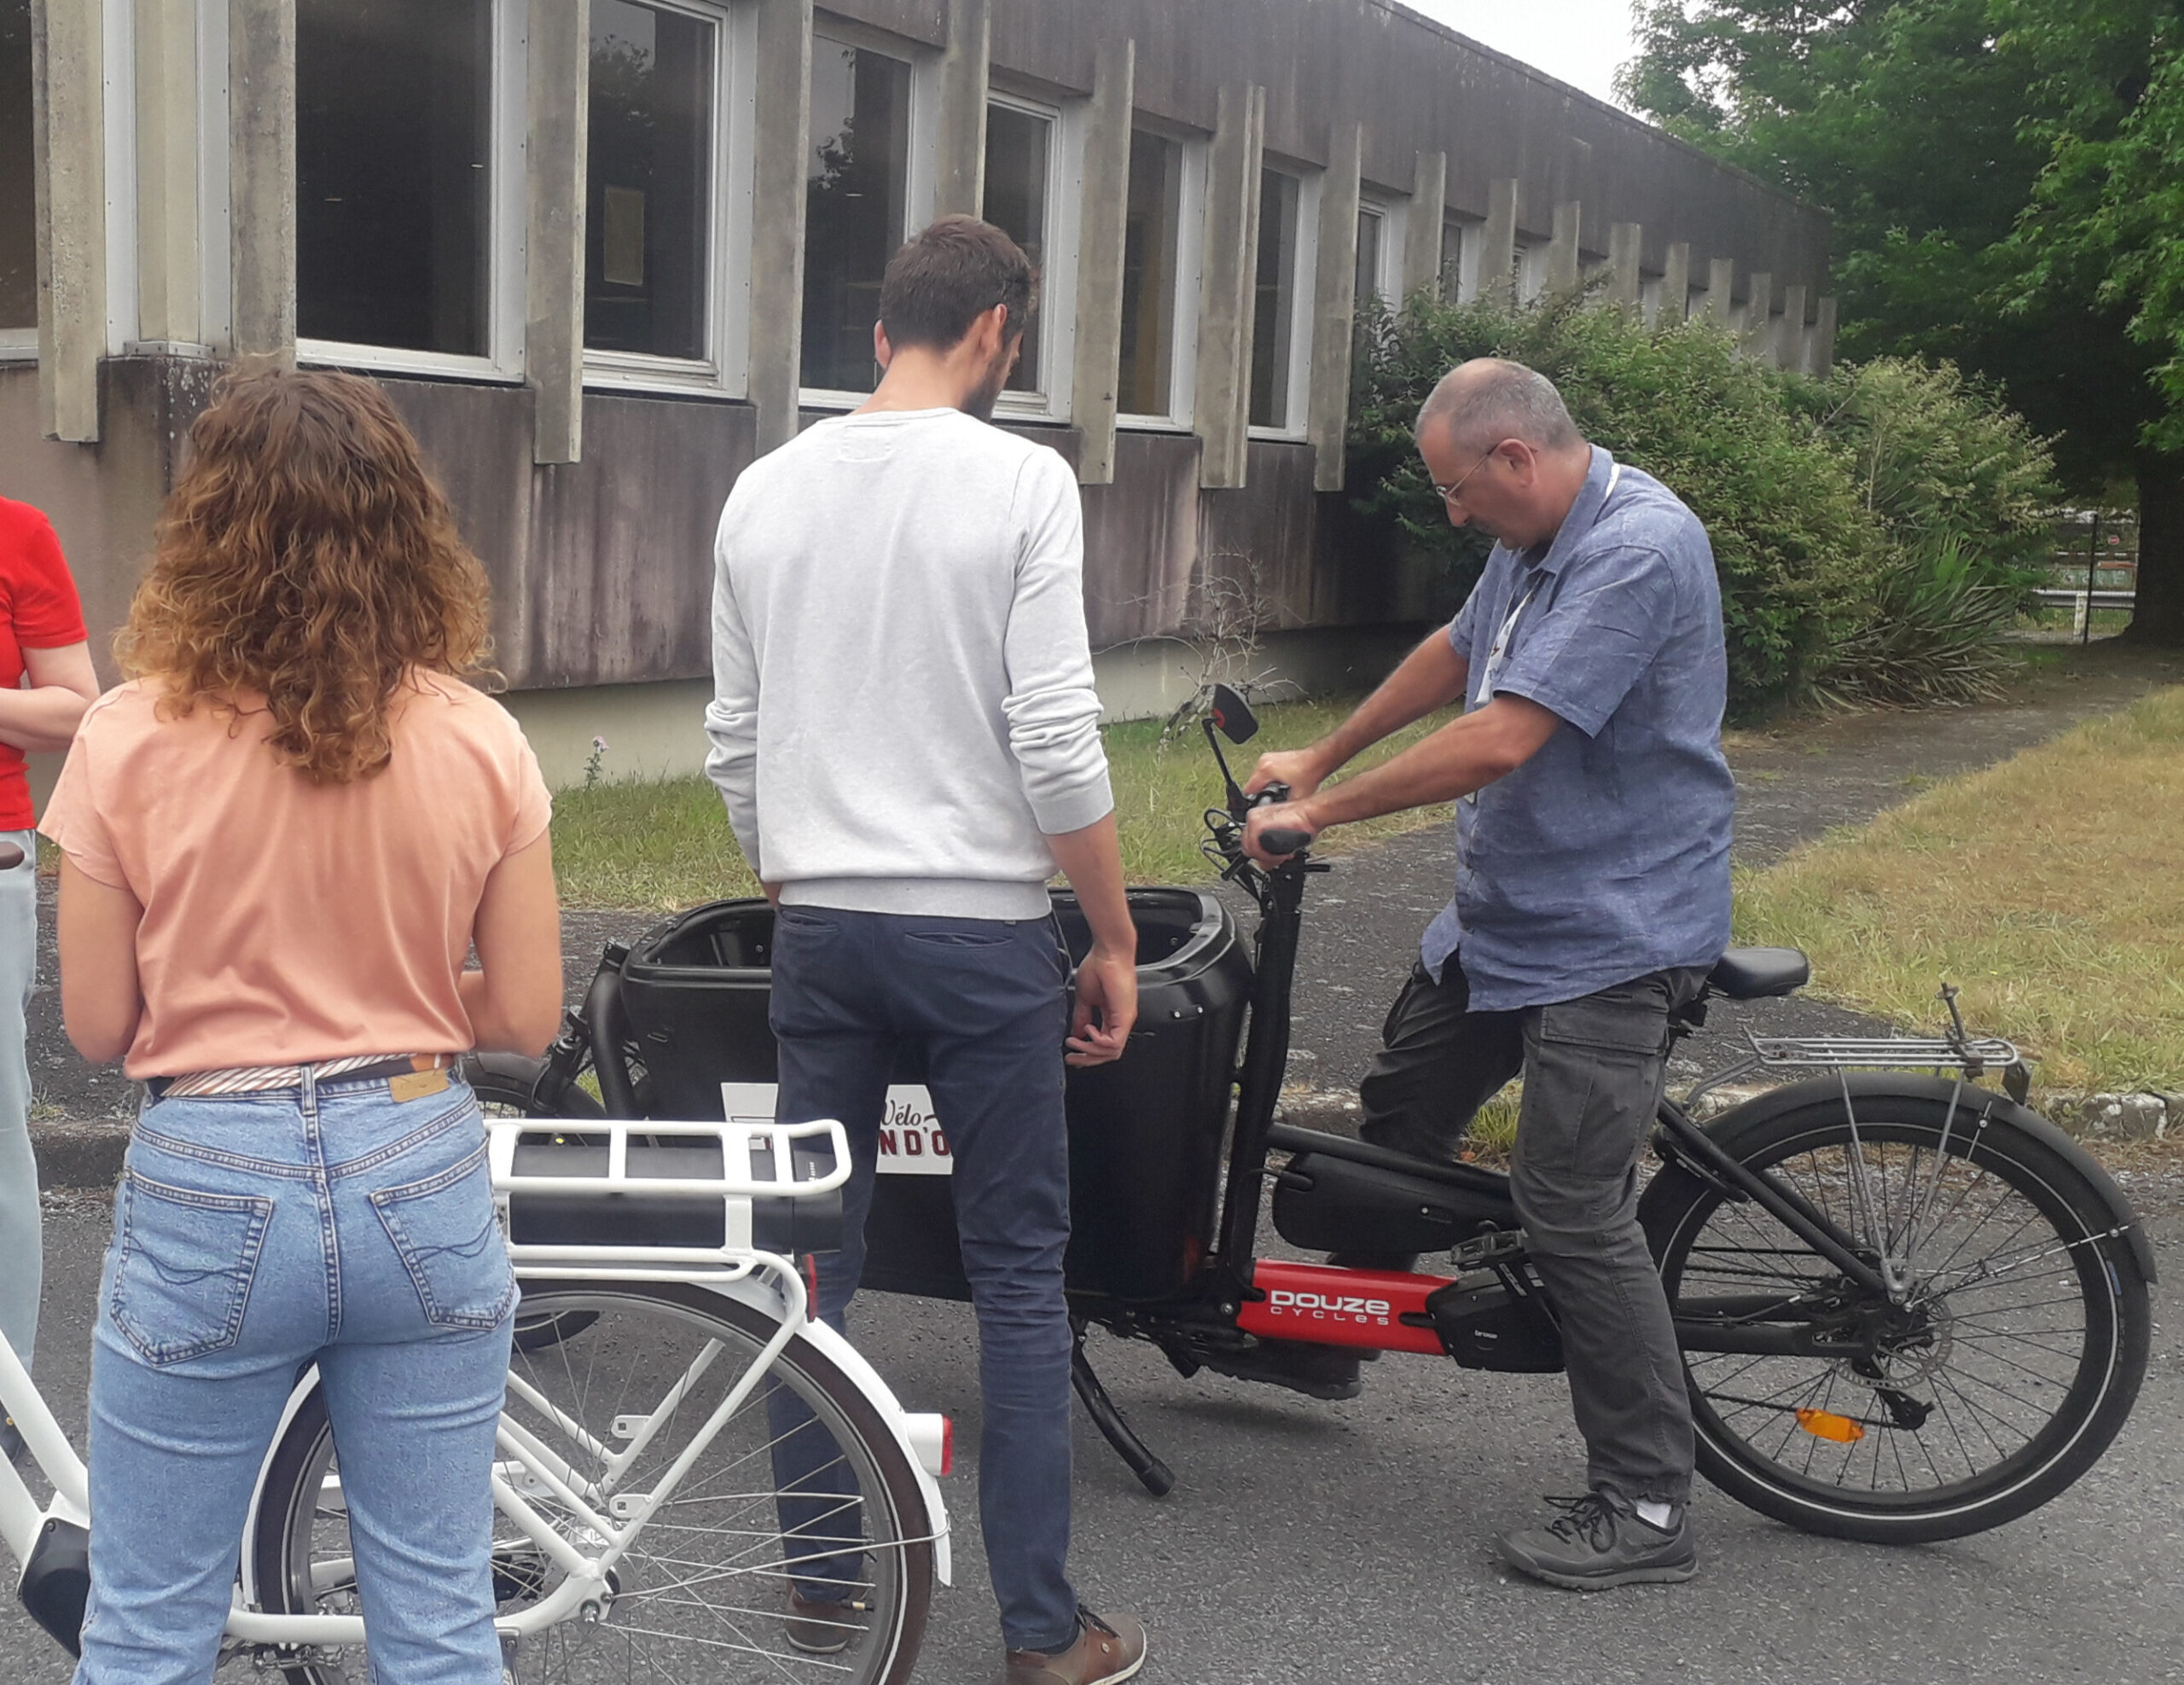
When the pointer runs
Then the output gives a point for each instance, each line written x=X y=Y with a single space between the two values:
x=284 y=920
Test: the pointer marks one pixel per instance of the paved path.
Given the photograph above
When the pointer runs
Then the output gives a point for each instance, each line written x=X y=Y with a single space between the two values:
x=1310 y=1544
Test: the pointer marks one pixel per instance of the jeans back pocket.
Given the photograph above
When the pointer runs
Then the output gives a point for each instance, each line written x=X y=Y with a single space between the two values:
x=184 y=1266
x=445 y=1230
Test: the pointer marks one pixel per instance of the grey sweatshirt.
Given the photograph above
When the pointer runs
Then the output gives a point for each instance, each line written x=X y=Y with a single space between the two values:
x=903 y=704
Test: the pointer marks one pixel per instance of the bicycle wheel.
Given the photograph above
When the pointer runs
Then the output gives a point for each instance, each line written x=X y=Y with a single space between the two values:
x=702 y=1593
x=2007 y=1371
x=512 y=1088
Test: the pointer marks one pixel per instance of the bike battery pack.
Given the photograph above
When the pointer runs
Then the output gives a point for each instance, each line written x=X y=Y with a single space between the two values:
x=1348 y=1196
x=1498 y=1319
x=789 y=1226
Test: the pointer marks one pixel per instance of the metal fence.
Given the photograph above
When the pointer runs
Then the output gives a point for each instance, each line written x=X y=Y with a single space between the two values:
x=2094 y=565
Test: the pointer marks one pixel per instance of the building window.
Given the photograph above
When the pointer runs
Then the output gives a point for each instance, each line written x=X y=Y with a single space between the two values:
x=650 y=169
x=1372 y=239
x=1274 y=312
x=394 y=157
x=1019 y=175
x=1152 y=241
x=1455 y=282
x=18 y=208
x=857 y=193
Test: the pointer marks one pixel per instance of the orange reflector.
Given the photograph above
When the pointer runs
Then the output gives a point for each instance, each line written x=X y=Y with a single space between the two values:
x=1826 y=1425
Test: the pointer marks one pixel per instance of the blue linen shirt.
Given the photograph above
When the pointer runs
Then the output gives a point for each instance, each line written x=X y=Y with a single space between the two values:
x=1606 y=855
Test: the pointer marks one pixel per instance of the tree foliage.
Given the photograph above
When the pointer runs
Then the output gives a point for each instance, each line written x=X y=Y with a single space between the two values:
x=2005 y=180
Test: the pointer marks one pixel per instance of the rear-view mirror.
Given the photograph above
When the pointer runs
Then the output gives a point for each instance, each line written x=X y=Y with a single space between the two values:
x=1232 y=715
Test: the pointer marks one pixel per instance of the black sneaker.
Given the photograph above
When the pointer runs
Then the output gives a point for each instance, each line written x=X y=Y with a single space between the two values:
x=1600 y=1540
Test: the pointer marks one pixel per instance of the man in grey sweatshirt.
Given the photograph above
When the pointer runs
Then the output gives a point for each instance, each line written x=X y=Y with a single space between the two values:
x=906 y=735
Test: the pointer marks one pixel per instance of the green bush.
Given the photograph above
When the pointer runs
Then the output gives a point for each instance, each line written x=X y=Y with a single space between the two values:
x=1890 y=495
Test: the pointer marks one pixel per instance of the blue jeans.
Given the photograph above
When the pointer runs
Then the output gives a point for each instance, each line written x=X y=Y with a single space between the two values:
x=254 y=1234
x=22 y=1256
x=983 y=1000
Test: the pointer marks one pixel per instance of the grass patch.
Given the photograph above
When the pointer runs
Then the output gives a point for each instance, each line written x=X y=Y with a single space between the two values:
x=2049 y=888
x=666 y=844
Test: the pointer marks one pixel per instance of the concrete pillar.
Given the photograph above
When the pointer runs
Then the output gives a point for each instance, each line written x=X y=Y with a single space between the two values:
x=68 y=166
x=1497 y=254
x=1222 y=408
x=262 y=179
x=959 y=171
x=1820 y=352
x=1675 y=285
x=1103 y=233
x=559 y=147
x=1562 y=270
x=1757 y=337
x=1422 y=256
x=1625 y=242
x=1721 y=282
x=1334 y=305
x=1790 y=341
x=780 y=131
x=169 y=269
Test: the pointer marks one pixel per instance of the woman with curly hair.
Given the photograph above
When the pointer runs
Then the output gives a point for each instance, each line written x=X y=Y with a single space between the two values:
x=282 y=837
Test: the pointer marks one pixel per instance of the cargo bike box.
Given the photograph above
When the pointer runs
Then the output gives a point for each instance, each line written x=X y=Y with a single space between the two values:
x=1146 y=1132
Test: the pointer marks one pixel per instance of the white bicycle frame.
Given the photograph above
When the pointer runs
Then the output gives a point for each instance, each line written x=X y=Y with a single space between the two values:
x=609 y=1520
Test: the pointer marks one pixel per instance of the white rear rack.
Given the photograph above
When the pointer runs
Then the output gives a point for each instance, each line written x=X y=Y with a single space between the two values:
x=758 y=1162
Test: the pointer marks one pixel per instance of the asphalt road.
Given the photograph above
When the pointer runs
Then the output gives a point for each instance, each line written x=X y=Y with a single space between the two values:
x=1309 y=1542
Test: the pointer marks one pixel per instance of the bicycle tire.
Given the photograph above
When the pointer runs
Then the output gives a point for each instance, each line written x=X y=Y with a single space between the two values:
x=2036 y=1346
x=674 y=1618
x=508 y=1088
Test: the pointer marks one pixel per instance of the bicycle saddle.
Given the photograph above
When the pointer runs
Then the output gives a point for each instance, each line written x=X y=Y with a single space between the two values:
x=1753 y=974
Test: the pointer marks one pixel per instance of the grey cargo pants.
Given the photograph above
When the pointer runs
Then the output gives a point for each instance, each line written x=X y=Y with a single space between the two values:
x=1592 y=1069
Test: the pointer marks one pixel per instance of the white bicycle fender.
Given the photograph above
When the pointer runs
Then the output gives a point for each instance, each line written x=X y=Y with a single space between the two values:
x=866 y=1380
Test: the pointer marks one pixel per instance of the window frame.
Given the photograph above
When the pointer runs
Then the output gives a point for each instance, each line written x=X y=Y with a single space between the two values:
x=1057 y=322
x=507 y=235
x=1190 y=273
x=724 y=370
x=1393 y=214
x=921 y=169
x=1303 y=280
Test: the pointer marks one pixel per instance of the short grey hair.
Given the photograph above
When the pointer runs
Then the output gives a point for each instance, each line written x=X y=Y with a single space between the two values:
x=1490 y=400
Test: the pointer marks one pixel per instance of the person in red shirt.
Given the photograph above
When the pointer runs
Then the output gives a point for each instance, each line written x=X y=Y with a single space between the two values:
x=46 y=682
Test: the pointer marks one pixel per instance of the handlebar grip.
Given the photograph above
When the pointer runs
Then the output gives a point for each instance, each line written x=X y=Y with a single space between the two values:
x=1285 y=842
x=11 y=856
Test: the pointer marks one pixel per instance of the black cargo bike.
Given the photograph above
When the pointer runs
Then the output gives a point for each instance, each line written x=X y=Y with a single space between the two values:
x=1910 y=1308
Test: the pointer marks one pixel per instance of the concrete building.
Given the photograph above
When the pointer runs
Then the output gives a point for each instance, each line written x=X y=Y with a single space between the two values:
x=604 y=252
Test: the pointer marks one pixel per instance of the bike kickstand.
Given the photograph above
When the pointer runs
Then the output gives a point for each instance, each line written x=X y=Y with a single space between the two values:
x=1152 y=1474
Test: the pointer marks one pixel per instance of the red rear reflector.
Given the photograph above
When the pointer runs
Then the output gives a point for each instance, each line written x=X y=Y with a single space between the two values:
x=947 y=1444
x=810 y=1286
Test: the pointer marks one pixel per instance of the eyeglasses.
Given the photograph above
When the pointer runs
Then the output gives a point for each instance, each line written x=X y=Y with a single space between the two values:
x=1450 y=494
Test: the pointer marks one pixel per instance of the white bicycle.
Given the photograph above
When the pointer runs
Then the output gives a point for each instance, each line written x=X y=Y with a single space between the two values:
x=639 y=1533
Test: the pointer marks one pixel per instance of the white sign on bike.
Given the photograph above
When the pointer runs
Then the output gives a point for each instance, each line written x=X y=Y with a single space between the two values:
x=910 y=1141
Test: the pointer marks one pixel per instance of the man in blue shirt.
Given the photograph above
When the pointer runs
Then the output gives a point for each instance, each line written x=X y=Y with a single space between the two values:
x=1592 y=896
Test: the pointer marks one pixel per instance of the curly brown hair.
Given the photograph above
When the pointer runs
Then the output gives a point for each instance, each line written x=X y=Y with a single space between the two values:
x=306 y=555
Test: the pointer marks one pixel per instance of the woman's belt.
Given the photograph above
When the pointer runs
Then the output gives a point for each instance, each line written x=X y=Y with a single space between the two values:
x=267 y=1079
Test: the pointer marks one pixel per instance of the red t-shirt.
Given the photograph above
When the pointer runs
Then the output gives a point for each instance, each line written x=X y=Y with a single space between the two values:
x=38 y=610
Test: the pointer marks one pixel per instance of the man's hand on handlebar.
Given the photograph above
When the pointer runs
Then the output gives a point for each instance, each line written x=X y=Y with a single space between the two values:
x=1293 y=818
x=1299 y=768
x=1106 y=1006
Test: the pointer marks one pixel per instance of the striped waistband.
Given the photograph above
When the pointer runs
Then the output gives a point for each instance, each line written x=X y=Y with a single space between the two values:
x=264 y=1078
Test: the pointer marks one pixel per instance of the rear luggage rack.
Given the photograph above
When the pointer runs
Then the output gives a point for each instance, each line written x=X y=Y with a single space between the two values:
x=760 y=1165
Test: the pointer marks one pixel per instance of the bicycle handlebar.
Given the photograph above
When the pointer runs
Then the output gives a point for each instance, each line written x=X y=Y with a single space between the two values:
x=1285 y=842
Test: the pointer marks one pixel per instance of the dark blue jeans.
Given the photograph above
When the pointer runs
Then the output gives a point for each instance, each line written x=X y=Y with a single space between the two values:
x=983 y=1000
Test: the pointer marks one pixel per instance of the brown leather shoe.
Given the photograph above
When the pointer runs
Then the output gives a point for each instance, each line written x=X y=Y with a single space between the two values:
x=1105 y=1651
x=820 y=1629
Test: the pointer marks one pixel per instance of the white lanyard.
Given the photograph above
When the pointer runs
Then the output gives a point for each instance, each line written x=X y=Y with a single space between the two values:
x=1498 y=653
